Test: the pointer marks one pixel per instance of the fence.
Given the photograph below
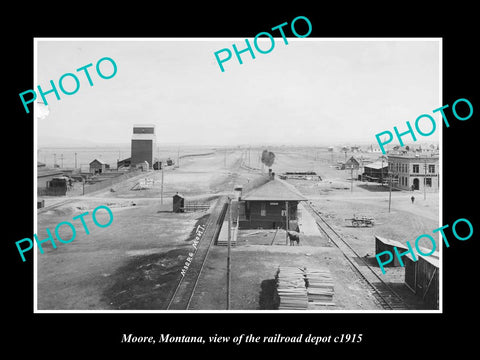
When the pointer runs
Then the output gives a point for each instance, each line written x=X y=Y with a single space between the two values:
x=89 y=188
x=192 y=207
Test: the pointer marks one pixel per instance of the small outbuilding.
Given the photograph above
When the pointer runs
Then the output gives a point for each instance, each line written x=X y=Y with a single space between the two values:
x=384 y=244
x=178 y=203
x=98 y=166
x=422 y=278
x=375 y=171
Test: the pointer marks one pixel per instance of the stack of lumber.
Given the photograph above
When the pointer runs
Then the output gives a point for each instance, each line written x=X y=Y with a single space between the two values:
x=303 y=288
x=291 y=289
x=320 y=288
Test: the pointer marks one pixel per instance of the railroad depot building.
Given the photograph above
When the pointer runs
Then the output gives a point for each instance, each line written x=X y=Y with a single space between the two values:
x=265 y=207
x=415 y=172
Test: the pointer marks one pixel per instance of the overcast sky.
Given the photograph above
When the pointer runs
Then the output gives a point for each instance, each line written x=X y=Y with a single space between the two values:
x=310 y=91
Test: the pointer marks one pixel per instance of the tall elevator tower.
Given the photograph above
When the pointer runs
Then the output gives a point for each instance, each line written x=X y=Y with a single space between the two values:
x=143 y=144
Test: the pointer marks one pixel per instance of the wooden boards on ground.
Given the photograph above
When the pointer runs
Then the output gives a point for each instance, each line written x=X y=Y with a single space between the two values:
x=304 y=288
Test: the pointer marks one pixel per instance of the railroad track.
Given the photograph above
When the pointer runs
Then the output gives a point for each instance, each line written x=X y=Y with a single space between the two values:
x=185 y=289
x=384 y=294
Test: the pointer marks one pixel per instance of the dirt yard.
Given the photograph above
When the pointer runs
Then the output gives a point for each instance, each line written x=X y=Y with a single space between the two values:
x=135 y=262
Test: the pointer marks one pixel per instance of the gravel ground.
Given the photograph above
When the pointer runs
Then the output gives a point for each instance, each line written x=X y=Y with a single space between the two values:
x=134 y=263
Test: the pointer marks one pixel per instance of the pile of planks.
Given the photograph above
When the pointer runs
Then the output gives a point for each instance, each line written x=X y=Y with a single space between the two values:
x=320 y=288
x=291 y=288
x=303 y=289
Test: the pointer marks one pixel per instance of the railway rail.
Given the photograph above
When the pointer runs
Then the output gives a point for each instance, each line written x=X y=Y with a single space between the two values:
x=185 y=289
x=383 y=293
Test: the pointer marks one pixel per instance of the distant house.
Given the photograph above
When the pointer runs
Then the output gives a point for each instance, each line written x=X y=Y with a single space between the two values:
x=265 y=207
x=98 y=166
x=351 y=163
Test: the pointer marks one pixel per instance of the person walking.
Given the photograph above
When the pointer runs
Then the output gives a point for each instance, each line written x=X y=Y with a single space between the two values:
x=412 y=198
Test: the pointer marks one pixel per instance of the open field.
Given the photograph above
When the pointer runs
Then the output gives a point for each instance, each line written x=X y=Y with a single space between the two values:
x=135 y=263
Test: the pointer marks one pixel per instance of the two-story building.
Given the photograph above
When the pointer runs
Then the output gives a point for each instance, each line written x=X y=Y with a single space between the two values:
x=415 y=172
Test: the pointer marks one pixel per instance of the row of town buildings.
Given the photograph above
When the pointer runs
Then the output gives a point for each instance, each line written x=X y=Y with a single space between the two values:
x=406 y=171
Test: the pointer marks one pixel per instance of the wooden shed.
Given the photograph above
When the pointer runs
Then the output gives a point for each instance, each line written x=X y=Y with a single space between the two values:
x=422 y=277
x=97 y=166
x=375 y=171
x=383 y=244
x=178 y=203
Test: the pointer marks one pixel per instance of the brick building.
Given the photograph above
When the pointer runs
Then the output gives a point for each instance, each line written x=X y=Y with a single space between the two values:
x=414 y=172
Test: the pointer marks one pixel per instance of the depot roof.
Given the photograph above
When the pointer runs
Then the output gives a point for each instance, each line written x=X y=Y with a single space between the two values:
x=273 y=190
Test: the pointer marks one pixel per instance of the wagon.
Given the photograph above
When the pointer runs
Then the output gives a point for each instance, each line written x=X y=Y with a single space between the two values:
x=361 y=221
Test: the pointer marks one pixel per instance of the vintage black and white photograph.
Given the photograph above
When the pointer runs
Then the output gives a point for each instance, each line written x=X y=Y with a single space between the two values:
x=164 y=184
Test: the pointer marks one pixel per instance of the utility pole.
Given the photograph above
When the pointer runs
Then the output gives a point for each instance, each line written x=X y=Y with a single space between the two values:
x=75 y=160
x=390 y=194
x=228 y=250
x=381 y=172
x=161 y=190
x=351 y=178
x=178 y=157
x=286 y=222
x=425 y=180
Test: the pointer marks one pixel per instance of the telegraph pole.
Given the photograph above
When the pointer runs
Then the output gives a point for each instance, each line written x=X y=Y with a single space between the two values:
x=286 y=222
x=228 y=250
x=425 y=180
x=390 y=194
x=351 y=178
x=161 y=190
